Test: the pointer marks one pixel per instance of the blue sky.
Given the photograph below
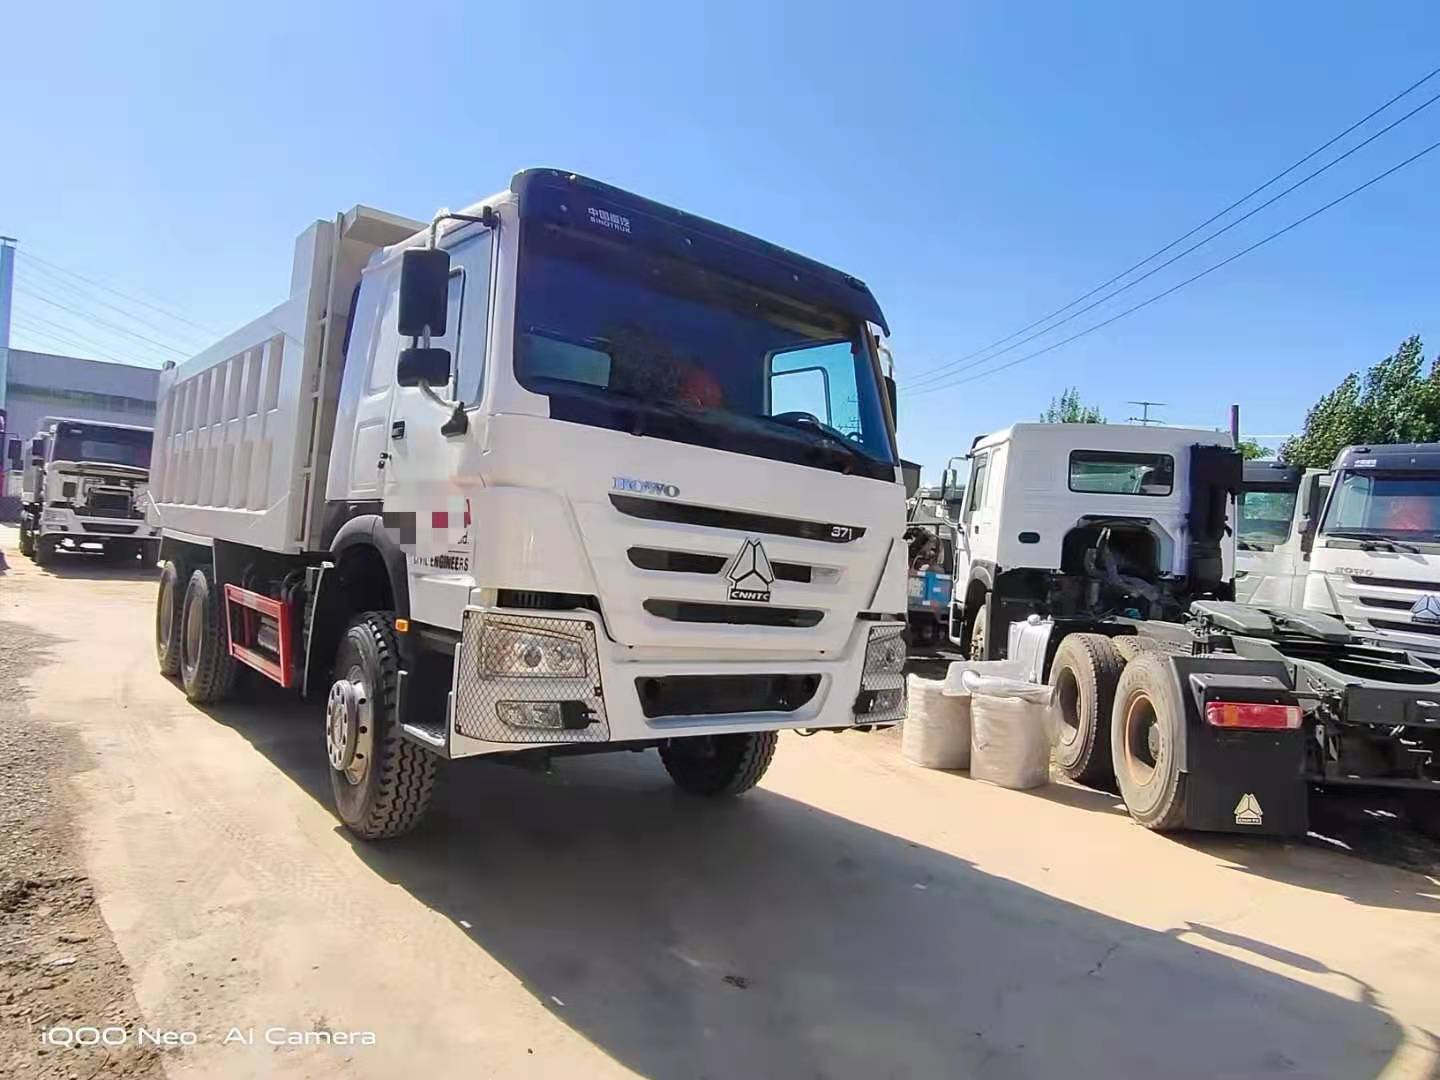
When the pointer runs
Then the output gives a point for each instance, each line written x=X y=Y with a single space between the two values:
x=979 y=164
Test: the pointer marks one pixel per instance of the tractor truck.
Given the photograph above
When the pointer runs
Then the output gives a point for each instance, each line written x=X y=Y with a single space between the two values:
x=1101 y=556
x=567 y=471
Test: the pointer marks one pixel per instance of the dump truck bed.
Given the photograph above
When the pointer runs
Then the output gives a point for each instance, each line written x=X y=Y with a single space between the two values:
x=242 y=433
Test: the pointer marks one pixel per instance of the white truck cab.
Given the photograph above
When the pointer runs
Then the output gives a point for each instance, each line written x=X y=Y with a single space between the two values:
x=84 y=486
x=569 y=470
x=1376 y=556
x=1278 y=515
x=1088 y=518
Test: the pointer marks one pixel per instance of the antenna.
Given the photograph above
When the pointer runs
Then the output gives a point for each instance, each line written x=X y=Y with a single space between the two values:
x=1145 y=419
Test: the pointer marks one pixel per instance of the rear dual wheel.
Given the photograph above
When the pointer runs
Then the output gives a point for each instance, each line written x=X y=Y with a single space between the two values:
x=1145 y=732
x=167 y=619
x=207 y=670
x=1084 y=675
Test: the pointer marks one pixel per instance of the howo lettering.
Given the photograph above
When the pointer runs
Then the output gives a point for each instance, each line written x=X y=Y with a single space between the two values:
x=423 y=491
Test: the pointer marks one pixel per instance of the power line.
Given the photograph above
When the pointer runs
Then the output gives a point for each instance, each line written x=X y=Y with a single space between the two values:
x=133 y=299
x=944 y=368
x=53 y=280
x=1192 y=248
x=60 y=332
x=97 y=321
x=62 y=340
x=1188 y=281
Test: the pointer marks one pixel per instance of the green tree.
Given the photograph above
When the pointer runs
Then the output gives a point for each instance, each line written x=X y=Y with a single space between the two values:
x=1250 y=450
x=1397 y=400
x=1069 y=409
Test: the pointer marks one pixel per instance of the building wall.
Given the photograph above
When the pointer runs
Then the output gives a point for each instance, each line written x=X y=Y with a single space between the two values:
x=47 y=384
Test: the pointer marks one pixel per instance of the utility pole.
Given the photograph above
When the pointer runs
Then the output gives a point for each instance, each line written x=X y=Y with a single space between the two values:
x=7 y=284
x=1145 y=419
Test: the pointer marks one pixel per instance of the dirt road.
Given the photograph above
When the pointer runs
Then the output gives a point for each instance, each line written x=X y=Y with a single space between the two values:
x=854 y=917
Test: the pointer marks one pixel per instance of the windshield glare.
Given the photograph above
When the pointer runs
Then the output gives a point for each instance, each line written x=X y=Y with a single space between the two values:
x=1402 y=505
x=595 y=315
x=112 y=446
x=1265 y=517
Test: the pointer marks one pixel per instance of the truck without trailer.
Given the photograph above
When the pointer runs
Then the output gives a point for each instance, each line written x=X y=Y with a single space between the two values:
x=84 y=487
x=1101 y=556
x=568 y=471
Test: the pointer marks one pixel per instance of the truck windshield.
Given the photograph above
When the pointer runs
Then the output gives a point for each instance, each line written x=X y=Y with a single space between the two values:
x=112 y=446
x=1401 y=505
x=1265 y=517
x=621 y=337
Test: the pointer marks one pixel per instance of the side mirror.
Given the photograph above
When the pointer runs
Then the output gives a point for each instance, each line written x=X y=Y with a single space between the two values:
x=424 y=292
x=37 y=448
x=13 y=454
x=418 y=364
x=894 y=398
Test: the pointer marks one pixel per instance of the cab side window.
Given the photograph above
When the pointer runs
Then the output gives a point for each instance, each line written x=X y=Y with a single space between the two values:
x=978 y=475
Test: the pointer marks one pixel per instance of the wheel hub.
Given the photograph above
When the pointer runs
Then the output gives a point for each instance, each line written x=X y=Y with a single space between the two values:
x=342 y=724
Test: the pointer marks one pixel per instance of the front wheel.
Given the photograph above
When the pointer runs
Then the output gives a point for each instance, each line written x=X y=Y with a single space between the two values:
x=382 y=782
x=27 y=540
x=980 y=632
x=45 y=548
x=1146 y=726
x=719 y=765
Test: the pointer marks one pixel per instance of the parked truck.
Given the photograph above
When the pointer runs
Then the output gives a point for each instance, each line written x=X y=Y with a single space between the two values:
x=570 y=471
x=1101 y=556
x=930 y=541
x=84 y=487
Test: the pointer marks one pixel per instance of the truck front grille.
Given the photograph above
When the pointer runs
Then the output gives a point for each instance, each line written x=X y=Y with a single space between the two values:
x=714 y=517
x=691 y=611
x=1405 y=627
x=688 y=562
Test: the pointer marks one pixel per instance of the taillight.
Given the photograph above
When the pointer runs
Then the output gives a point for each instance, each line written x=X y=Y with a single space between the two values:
x=1250 y=714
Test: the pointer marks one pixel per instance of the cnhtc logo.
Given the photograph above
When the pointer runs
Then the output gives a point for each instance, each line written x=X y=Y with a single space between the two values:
x=749 y=572
x=1426 y=610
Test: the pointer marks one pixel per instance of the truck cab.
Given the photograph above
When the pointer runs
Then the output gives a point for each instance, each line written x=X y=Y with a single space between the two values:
x=1278 y=513
x=930 y=540
x=1376 y=556
x=83 y=486
x=1084 y=520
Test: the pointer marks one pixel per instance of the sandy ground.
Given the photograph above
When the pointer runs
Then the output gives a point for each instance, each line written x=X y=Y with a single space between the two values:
x=854 y=917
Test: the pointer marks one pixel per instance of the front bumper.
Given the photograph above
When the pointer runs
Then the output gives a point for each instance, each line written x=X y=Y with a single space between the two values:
x=615 y=698
x=87 y=529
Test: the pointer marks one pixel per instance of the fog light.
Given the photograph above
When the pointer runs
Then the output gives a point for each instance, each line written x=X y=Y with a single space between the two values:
x=884 y=658
x=531 y=714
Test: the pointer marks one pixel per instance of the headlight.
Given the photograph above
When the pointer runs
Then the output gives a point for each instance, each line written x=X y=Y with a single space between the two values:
x=882 y=683
x=510 y=651
x=54 y=517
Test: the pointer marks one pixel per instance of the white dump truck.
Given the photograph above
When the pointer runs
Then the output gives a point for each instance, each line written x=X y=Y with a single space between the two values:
x=83 y=486
x=568 y=471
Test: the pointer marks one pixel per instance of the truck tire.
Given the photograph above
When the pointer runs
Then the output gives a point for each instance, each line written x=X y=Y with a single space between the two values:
x=207 y=670
x=980 y=631
x=27 y=540
x=719 y=765
x=1145 y=731
x=382 y=782
x=45 y=550
x=1084 y=674
x=167 y=620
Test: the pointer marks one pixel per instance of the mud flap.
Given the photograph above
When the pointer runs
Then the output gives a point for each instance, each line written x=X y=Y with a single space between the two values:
x=1246 y=781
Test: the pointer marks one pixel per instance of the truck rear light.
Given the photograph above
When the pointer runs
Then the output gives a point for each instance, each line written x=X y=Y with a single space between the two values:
x=1253 y=715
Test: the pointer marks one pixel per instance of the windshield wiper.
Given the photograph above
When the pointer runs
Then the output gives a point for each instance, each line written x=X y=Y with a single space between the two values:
x=830 y=435
x=1371 y=542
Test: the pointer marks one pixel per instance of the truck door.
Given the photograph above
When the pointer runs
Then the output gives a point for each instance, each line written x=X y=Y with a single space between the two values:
x=425 y=466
